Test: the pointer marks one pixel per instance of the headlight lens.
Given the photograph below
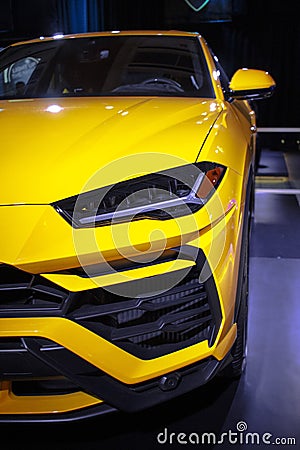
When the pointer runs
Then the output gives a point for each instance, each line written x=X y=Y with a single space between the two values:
x=171 y=193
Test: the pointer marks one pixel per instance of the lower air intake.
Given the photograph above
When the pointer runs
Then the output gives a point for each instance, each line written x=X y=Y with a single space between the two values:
x=149 y=327
x=24 y=292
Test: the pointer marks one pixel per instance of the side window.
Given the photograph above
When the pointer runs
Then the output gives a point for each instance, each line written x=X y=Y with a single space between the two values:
x=224 y=79
x=14 y=78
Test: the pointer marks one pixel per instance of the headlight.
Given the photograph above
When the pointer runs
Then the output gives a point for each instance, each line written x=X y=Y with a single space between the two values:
x=171 y=193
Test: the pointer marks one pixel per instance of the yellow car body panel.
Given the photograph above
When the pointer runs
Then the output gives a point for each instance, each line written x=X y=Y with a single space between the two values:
x=61 y=148
x=77 y=135
x=109 y=358
x=13 y=404
x=259 y=79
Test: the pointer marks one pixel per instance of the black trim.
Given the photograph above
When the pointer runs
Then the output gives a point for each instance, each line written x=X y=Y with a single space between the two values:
x=24 y=293
x=245 y=239
x=79 y=414
x=124 y=397
x=121 y=265
x=70 y=208
x=149 y=317
x=149 y=327
x=47 y=358
x=251 y=94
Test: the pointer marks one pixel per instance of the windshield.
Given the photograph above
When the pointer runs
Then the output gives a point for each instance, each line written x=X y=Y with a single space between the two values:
x=106 y=66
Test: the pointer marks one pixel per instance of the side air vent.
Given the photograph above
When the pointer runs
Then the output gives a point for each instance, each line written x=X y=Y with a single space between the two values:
x=150 y=327
x=20 y=290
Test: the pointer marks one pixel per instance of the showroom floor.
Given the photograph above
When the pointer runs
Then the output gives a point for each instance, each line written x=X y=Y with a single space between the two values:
x=267 y=397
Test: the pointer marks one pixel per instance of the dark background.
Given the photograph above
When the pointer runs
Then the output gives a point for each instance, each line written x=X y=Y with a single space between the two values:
x=263 y=34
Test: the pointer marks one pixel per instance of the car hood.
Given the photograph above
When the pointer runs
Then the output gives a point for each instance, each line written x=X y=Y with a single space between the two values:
x=52 y=147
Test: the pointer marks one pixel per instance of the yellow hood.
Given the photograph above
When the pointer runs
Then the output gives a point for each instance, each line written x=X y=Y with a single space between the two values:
x=51 y=147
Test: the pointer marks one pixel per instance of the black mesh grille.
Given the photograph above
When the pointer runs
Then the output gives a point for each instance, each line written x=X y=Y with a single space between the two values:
x=150 y=322
x=153 y=326
x=23 y=291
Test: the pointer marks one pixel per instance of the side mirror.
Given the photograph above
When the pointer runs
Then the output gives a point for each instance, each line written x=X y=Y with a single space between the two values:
x=251 y=84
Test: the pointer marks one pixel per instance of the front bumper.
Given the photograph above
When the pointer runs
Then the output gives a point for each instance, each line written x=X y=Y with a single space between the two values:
x=91 y=352
x=129 y=399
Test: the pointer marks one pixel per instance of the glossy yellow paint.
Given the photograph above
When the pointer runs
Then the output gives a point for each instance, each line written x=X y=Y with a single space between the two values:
x=246 y=79
x=42 y=404
x=88 y=146
x=75 y=283
x=111 y=359
x=126 y=367
x=36 y=255
x=220 y=244
x=20 y=246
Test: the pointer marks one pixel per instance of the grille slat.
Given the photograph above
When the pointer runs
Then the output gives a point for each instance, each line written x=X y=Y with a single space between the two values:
x=22 y=292
x=9 y=287
x=89 y=312
x=152 y=306
x=152 y=322
x=161 y=323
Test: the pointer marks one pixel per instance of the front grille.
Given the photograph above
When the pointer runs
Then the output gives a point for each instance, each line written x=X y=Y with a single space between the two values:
x=20 y=290
x=150 y=327
x=146 y=317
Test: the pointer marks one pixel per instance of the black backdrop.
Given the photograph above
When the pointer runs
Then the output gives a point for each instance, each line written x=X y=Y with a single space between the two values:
x=243 y=33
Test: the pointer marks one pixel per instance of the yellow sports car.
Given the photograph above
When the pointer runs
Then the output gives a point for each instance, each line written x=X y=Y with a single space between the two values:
x=127 y=185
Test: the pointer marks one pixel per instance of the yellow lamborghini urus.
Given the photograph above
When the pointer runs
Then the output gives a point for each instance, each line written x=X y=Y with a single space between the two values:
x=127 y=168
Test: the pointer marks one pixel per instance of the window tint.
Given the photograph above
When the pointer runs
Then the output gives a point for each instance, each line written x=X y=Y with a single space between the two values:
x=223 y=77
x=116 y=65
